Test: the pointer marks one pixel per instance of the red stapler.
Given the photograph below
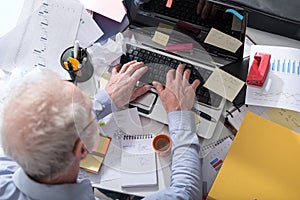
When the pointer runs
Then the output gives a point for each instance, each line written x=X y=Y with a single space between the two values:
x=259 y=69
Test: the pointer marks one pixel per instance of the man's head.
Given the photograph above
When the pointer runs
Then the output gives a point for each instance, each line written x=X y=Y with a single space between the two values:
x=43 y=120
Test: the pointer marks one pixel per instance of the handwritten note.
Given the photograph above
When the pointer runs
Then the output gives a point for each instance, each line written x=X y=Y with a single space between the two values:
x=138 y=163
x=161 y=38
x=287 y=118
x=141 y=160
x=116 y=125
x=222 y=40
x=224 y=84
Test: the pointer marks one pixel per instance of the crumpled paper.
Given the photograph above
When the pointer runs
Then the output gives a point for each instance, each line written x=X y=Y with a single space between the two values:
x=104 y=55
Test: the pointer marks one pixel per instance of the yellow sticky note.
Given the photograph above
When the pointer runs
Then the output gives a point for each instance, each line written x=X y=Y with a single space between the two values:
x=224 y=84
x=161 y=38
x=91 y=163
x=197 y=119
x=286 y=118
x=165 y=28
x=222 y=40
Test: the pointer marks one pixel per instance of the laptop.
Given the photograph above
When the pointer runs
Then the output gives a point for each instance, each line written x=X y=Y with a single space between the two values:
x=147 y=18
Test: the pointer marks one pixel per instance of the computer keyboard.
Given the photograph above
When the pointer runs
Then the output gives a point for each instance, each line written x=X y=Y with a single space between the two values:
x=159 y=65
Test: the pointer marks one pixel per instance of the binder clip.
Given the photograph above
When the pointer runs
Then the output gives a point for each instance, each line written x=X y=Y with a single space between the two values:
x=259 y=69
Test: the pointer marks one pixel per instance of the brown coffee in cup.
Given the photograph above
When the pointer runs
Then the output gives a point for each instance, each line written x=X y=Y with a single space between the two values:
x=162 y=144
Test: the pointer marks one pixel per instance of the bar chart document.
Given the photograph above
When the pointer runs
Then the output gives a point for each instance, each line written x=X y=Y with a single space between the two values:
x=280 y=89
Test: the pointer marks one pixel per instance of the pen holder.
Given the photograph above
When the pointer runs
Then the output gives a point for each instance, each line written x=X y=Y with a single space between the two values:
x=162 y=144
x=85 y=68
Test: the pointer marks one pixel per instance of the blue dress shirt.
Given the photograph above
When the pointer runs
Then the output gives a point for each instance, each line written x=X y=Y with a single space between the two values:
x=186 y=177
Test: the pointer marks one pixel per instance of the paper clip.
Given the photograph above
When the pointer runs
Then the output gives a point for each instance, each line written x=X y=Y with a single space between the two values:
x=259 y=69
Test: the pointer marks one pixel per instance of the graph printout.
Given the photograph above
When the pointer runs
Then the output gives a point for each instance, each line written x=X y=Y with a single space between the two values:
x=45 y=30
x=281 y=88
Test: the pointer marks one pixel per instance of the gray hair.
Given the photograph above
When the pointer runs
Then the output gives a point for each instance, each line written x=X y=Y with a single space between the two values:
x=42 y=119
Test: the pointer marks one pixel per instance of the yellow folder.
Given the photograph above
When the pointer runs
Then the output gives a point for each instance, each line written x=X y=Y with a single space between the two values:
x=263 y=162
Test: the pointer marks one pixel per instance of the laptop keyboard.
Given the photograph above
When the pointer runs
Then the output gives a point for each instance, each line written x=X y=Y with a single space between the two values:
x=159 y=65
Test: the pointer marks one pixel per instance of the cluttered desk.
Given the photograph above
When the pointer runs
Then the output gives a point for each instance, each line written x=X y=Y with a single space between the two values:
x=270 y=93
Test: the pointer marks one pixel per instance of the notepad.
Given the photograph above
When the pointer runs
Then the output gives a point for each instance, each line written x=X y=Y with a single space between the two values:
x=93 y=161
x=138 y=161
x=261 y=163
x=212 y=162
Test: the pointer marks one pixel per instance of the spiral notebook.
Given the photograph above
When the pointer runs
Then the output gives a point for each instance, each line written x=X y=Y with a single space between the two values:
x=213 y=161
x=138 y=161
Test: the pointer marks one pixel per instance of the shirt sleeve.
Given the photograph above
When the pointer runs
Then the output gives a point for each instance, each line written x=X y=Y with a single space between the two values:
x=107 y=104
x=186 y=176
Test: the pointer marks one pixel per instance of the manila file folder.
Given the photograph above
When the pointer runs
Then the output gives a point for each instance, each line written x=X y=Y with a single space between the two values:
x=262 y=163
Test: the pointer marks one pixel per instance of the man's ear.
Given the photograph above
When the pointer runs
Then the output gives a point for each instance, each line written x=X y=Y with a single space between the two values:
x=80 y=150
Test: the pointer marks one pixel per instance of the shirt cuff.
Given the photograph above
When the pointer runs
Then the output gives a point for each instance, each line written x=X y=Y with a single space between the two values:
x=182 y=128
x=107 y=103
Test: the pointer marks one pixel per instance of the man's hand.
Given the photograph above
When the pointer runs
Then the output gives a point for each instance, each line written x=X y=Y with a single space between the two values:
x=178 y=94
x=205 y=9
x=121 y=86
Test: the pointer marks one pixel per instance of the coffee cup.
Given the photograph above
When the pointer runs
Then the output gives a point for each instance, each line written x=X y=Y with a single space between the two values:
x=162 y=144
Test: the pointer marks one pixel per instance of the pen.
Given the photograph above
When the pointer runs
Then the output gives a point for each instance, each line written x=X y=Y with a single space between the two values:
x=75 y=63
x=204 y=115
x=76 y=48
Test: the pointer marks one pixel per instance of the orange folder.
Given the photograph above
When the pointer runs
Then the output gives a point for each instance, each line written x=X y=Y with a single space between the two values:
x=262 y=163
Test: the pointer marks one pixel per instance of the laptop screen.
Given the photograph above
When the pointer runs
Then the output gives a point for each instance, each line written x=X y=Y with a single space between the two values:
x=218 y=27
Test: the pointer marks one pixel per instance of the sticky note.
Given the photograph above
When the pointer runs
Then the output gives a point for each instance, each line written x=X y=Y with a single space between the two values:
x=197 y=118
x=169 y=3
x=188 y=27
x=222 y=40
x=91 y=163
x=93 y=160
x=165 y=28
x=180 y=47
x=101 y=145
x=161 y=38
x=236 y=24
x=224 y=84
x=286 y=118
